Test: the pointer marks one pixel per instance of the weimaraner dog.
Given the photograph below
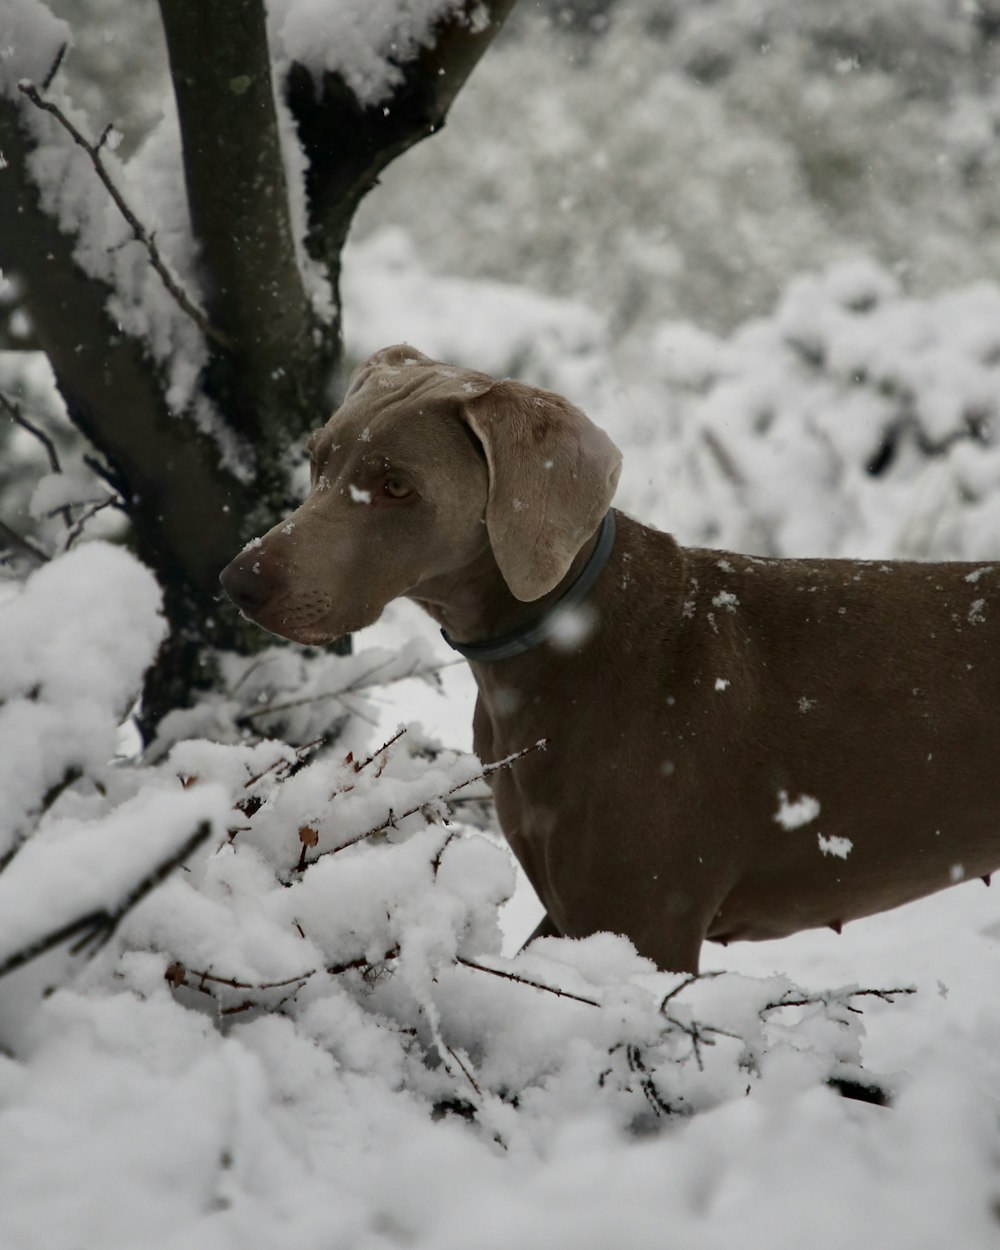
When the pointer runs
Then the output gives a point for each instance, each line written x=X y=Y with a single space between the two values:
x=736 y=747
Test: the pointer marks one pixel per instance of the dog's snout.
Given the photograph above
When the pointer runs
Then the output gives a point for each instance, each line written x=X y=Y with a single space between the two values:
x=248 y=586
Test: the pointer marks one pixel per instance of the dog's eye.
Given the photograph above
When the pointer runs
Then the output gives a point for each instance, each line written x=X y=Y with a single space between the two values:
x=396 y=488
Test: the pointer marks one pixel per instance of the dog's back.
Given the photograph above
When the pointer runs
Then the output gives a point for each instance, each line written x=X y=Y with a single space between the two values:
x=748 y=747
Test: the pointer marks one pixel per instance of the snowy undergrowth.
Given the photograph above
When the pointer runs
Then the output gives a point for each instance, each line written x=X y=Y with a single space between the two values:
x=325 y=947
x=338 y=1053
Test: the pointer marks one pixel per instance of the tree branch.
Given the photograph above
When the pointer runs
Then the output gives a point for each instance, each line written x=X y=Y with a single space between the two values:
x=186 y=511
x=96 y=928
x=14 y=541
x=139 y=231
x=349 y=144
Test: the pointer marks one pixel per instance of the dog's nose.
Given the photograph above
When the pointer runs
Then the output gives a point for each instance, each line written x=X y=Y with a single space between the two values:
x=249 y=588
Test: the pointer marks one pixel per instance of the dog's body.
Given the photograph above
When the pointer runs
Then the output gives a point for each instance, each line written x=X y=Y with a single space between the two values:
x=736 y=747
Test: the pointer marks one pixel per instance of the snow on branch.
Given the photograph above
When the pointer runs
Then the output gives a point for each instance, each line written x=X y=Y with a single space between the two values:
x=94 y=929
x=139 y=231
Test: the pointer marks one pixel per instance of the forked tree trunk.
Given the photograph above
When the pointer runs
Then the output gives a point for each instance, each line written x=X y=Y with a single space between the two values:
x=272 y=358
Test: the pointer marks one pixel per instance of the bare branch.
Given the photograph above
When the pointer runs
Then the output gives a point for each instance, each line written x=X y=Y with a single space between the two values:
x=835 y=997
x=111 y=502
x=139 y=231
x=178 y=975
x=14 y=412
x=363 y=681
x=535 y=985
x=54 y=67
x=14 y=541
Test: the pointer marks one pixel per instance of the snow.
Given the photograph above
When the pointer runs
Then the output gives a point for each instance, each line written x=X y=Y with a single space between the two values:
x=363 y=43
x=30 y=38
x=833 y=845
x=351 y=1054
x=794 y=813
x=307 y=1118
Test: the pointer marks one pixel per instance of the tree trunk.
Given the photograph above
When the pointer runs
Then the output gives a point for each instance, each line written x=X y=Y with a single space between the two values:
x=272 y=354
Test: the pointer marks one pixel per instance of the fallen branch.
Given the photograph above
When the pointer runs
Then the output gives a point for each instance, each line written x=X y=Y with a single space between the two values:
x=139 y=231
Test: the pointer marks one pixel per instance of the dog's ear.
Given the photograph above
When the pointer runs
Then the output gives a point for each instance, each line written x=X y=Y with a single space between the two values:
x=552 y=475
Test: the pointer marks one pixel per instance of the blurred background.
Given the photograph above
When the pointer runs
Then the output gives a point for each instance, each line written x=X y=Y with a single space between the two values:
x=756 y=239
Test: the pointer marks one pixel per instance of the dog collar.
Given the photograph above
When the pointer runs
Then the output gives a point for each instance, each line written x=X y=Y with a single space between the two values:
x=537 y=631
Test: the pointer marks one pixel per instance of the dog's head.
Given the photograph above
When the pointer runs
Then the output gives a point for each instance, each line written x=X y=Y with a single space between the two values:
x=423 y=469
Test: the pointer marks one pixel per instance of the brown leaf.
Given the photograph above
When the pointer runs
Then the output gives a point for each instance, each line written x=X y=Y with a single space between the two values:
x=175 y=974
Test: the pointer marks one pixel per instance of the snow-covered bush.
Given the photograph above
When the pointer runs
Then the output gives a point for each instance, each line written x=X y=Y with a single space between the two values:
x=855 y=420
x=333 y=915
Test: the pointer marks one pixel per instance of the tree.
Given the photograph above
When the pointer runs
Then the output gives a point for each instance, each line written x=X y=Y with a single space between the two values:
x=265 y=340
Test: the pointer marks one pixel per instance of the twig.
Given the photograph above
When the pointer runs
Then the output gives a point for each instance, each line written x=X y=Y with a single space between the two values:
x=436 y=861
x=465 y=1071
x=633 y=1056
x=384 y=747
x=300 y=753
x=139 y=231
x=362 y=682
x=13 y=541
x=392 y=819
x=14 y=412
x=177 y=975
x=97 y=927
x=535 y=985
x=839 y=997
x=69 y=778
x=111 y=502
x=54 y=68
x=690 y=979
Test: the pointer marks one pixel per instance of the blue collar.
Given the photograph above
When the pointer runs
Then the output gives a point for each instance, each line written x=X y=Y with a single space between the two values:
x=537 y=631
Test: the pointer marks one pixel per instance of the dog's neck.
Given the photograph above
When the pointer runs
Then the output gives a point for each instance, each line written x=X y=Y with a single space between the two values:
x=474 y=603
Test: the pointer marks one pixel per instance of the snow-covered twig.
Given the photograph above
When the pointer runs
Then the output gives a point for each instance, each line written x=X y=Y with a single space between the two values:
x=393 y=818
x=363 y=681
x=14 y=541
x=96 y=928
x=13 y=411
x=519 y=980
x=201 y=979
x=139 y=231
x=112 y=501
x=838 y=998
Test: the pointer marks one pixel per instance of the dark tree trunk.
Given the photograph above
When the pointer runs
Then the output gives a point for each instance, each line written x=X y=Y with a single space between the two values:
x=272 y=356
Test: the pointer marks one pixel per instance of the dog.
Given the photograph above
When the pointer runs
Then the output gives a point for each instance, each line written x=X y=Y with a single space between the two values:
x=736 y=747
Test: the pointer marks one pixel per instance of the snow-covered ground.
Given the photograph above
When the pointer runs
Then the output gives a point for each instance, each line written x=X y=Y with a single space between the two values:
x=303 y=1023
x=267 y=1057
